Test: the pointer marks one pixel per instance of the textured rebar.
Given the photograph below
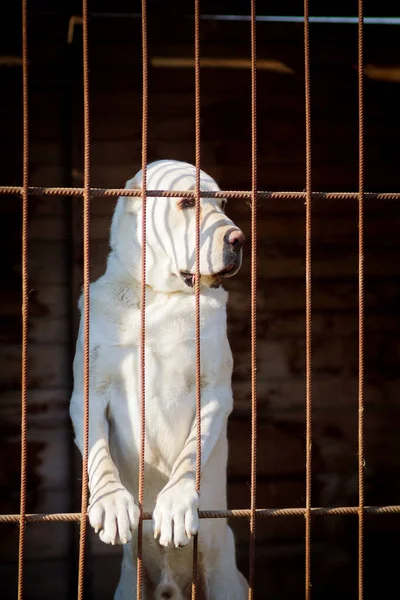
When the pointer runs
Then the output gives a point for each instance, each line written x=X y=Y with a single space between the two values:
x=308 y=324
x=25 y=299
x=361 y=303
x=240 y=513
x=86 y=301
x=239 y=194
x=197 y=277
x=252 y=195
x=139 y=583
x=253 y=300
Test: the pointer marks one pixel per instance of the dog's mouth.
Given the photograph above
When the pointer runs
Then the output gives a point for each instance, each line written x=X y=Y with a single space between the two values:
x=190 y=278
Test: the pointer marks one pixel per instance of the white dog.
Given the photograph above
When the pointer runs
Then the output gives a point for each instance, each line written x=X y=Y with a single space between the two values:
x=170 y=451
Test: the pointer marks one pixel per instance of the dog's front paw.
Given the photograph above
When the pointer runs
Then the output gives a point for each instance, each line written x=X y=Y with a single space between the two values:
x=114 y=514
x=175 y=517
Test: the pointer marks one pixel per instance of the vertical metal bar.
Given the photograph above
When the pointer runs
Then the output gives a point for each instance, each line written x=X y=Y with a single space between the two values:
x=361 y=302
x=308 y=305
x=253 y=298
x=197 y=279
x=24 y=357
x=86 y=300
x=71 y=290
x=139 y=575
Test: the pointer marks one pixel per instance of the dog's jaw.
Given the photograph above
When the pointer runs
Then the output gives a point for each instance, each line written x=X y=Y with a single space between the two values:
x=213 y=281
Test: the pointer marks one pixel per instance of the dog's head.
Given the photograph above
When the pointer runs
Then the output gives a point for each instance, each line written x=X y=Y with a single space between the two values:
x=171 y=231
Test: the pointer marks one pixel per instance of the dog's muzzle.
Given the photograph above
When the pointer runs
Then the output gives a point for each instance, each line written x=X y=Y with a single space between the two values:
x=233 y=243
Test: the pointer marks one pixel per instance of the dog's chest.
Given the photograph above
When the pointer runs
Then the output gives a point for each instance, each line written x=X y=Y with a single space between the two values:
x=170 y=374
x=170 y=325
x=169 y=364
x=170 y=352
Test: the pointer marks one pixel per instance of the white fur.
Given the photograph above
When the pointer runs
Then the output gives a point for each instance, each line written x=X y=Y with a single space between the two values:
x=170 y=447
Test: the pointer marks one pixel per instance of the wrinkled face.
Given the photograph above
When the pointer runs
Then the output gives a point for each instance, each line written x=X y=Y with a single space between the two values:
x=171 y=234
x=171 y=230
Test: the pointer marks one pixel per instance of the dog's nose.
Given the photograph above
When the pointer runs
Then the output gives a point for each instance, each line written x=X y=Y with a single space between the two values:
x=235 y=239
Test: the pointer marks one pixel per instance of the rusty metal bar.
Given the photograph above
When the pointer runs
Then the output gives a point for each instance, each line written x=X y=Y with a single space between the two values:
x=139 y=574
x=197 y=279
x=25 y=301
x=238 y=194
x=240 y=513
x=253 y=299
x=308 y=324
x=361 y=303
x=86 y=301
x=308 y=512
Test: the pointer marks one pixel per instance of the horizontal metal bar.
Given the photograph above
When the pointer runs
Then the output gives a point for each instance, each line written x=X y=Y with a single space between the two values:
x=266 y=18
x=244 y=513
x=300 y=19
x=243 y=194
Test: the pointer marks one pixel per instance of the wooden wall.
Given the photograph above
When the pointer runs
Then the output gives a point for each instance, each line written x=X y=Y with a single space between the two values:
x=55 y=272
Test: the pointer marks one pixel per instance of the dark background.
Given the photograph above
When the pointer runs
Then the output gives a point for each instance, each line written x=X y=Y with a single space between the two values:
x=55 y=270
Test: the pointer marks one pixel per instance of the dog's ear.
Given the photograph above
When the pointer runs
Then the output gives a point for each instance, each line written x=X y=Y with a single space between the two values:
x=133 y=203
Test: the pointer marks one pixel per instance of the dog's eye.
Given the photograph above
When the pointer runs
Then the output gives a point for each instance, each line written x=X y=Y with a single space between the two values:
x=223 y=205
x=186 y=203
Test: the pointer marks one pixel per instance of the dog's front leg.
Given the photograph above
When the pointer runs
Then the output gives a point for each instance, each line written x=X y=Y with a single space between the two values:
x=175 y=517
x=112 y=510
